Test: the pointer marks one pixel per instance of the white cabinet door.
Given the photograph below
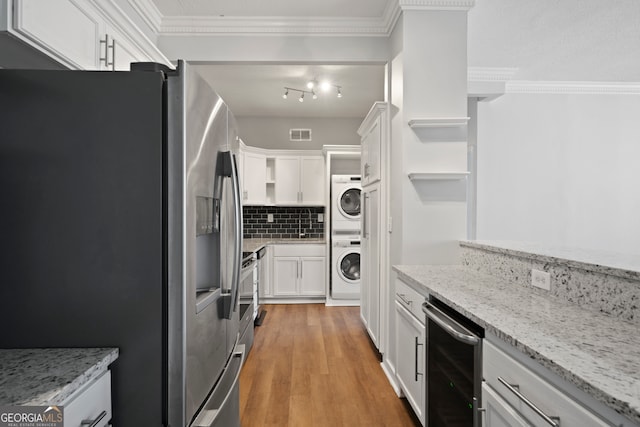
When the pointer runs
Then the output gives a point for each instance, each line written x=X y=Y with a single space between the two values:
x=312 y=276
x=90 y=403
x=122 y=51
x=499 y=413
x=62 y=29
x=371 y=154
x=286 y=271
x=312 y=180
x=410 y=357
x=370 y=260
x=287 y=185
x=253 y=180
x=265 y=273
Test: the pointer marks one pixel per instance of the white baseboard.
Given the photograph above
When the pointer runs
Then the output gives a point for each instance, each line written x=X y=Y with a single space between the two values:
x=389 y=371
x=292 y=300
x=342 y=302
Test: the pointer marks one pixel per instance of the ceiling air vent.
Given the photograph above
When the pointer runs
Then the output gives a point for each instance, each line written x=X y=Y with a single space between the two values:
x=299 y=134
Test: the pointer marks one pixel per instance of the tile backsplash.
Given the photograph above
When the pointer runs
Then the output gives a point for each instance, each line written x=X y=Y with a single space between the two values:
x=288 y=222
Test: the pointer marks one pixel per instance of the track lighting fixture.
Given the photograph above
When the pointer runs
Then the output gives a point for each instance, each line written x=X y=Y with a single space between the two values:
x=314 y=84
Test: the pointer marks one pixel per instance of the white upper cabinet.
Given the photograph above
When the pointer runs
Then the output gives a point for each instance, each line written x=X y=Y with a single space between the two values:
x=121 y=51
x=299 y=180
x=254 y=171
x=287 y=180
x=80 y=35
x=67 y=31
x=372 y=132
x=312 y=180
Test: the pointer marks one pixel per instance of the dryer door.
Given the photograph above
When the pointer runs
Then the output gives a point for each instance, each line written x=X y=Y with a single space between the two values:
x=349 y=203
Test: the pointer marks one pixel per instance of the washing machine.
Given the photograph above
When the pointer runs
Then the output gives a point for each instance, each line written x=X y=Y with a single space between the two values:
x=345 y=270
x=345 y=203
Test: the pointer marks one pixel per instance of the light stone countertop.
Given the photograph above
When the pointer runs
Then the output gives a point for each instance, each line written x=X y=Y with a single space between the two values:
x=48 y=376
x=599 y=354
x=252 y=245
x=623 y=265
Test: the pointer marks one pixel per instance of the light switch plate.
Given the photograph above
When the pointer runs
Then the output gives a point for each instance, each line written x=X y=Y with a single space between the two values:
x=269 y=217
x=320 y=217
x=541 y=279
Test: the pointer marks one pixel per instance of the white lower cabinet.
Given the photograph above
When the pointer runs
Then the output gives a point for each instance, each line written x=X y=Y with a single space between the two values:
x=498 y=413
x=299 y=270
x=91 y=405
x=509 y=385
x=410 y=358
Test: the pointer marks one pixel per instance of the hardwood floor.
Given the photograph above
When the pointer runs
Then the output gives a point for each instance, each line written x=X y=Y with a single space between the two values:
x=312 y=365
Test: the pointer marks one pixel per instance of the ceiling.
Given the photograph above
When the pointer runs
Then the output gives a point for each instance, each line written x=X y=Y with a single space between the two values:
x=543 y=40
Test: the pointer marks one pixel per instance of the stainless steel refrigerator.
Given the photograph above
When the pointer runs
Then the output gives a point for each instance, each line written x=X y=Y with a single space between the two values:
x=121 y=226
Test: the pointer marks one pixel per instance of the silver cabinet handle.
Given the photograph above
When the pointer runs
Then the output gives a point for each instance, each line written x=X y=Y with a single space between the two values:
x=94 y=422
x=416 y=359
x=106 y=51
x=364 y=216
x=245 y=195
x=551 y=420
x=452 y=327
x=113 y=55
x=301 y=269
x=297 y=269
x=404 y=299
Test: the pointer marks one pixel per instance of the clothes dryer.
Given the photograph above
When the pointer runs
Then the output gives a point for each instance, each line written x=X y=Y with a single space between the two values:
x=345 y=203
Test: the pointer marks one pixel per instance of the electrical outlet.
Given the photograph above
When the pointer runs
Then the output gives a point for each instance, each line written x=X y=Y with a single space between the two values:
x=320 y=217
x=269 y=217
x=541 y=279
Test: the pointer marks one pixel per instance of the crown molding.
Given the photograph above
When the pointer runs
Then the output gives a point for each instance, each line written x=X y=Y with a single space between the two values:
x=149 y=13
x=462 y=5
x=196 y=25
x=491 y=74
x=573 y=88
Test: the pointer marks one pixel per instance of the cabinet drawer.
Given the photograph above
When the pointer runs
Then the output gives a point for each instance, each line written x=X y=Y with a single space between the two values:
x=305 y=249
x=410 y=299
x=90 y=403
x=549 y=399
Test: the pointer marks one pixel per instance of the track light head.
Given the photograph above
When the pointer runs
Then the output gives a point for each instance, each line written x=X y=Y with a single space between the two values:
x=301 y=99
x=286 y=94
x=339 y=93
x=313 y=94
x=326 y=85
x=311 y=84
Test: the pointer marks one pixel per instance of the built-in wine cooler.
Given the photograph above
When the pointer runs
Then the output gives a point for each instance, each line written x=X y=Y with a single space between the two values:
x=454 y=367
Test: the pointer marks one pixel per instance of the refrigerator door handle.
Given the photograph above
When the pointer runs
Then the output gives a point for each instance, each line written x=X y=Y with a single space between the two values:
x=237 y=261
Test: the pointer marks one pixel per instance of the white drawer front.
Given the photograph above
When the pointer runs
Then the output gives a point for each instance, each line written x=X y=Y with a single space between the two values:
x=410 y=299
x=90 y=403
x=553 y=402
x=306 y=249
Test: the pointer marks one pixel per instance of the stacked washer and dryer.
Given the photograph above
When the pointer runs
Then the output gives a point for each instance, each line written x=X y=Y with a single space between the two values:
x=345 y=237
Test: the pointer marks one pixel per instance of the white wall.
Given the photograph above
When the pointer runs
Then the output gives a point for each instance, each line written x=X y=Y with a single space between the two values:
x=273 y=132
x=561 y=170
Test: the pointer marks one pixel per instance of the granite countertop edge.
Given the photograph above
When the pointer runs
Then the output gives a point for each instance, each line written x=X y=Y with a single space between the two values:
x=49 y=376
x=594 y=375
x=593 y=265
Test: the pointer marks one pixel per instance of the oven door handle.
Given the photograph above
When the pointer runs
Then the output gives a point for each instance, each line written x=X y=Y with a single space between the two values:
x=452 y=327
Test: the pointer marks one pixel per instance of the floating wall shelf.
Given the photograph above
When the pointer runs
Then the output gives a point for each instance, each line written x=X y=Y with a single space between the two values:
x=439 y=122
x=441 y=176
